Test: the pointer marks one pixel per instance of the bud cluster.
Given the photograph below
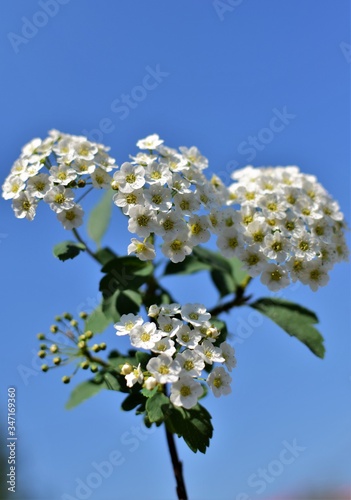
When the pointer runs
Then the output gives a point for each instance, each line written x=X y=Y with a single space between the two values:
x=184 y=343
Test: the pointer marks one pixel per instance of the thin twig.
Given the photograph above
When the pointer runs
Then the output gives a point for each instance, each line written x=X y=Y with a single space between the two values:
x=177 y=466
x=87 y=249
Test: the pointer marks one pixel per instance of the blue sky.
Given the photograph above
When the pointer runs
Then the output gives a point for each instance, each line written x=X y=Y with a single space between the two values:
x=223 y=71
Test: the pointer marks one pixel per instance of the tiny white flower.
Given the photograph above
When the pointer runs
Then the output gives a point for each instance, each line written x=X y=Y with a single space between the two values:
x=186 y=392
x=62 y=175
x=170 y=309
x=209 y=353
x=192 y=364
x=144 y=336
x=194 y=156
x=142 y=221
x=275 y=277
x=198 y=229
x=168 y=326
x=195 y=314
x=150 y=383
x=230 y=242
x=170 y=224
x=83 y=166
x=39 y=185
x=157 y=173
x=219 y=381
x=130 y=177
x=59 y=198
x=228 y=353
x=164 y=369
x=314 y=275
x=158 y=198
x=100 y=178
x=71 y=218
x=186 y=203
x=187 y=337
x=150 y=142
x=136 y=376
x=153 y=311
x=24 y=206
x=143 y=250
x=165 y=345
x=128 y=200
x=127 y=322
x=12 y=187
x=177 y=247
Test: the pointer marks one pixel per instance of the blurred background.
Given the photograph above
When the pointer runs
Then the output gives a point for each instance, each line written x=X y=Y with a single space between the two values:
x=221 y=70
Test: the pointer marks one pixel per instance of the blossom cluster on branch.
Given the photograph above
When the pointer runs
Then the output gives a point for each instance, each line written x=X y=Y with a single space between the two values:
x=282 y=224
x=184 y=341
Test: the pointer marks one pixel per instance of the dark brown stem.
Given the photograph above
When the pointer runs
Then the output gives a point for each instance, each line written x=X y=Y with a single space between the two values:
x=239 y=300
x=177 y=466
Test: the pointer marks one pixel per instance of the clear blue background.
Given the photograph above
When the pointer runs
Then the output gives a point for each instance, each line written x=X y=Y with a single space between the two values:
x=226 y=75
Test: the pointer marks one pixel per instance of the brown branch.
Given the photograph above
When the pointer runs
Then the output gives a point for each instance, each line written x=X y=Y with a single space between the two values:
x=177 y=466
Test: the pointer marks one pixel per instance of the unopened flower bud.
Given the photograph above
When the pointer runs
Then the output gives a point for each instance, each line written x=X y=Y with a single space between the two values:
x=43 y=346
x=85 y=365
x=81 y=183
x=40 y=336
x=67 y=316
x=81 y=344
x=94 y=368
x=126 y=369
x=58 y=319
x=102 y=346
x=41 y=354
x=53 y=328
x=83 y=315
x=95 y=348
x=153 y=311
x=57 y=360
x=65 y=379
x=74 y=323
x=54 y=348
x=44 y=368
x=82 y=337
x=89 y=334
x=114 y=185
x=150 y=383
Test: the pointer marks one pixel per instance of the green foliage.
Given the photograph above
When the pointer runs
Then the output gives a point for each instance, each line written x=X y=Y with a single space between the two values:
x=193 y=425
x=100 y=217
x=105 y=255
x=132 y=401
x=85 y=390
x=68 y=250
x=157 y=406
x=97 y=321
x=296 y=320
x=226 y=274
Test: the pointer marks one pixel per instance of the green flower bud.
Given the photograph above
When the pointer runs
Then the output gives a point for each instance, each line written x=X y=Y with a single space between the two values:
x=40 y=336
x=81 y=344
x=66 y=380
x=54 y=348
x=67 y=316
x=103 y=346
x=83 y=315
x=43 y=346
x=44 y=368
x=95 y=348
x=41 y=354
x=53 y=328
x=114 y=185
x=81 y=183
x=74 y=323
x=94 y=368
x=82 y=337
x=89 y=334
x=85 y=365
x=57 y=360
x=58 y=319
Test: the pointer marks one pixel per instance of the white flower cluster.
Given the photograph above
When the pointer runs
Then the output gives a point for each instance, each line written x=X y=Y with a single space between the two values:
x=284 y=226
x=183 y=347
x=48 y=170
x=162 y=192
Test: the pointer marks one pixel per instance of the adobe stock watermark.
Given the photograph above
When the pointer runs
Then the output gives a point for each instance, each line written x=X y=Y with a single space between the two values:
x=264 y=476
x=223 y=6
x=99 y=471
x=126 y=103
x=30 y=27
x=346 y=51
x=253 y=144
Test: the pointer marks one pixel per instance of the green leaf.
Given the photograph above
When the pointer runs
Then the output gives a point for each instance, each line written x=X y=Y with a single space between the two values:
x=97 y=321
x=193 y=425
x=143 y=358
x=132 y=401
x=212 y=259
x=124 y=273
x=156 y=406
x=240 y=276
x=113 y=382
x=100 y=217
x=224 y=282
x=121 y=302
x=148 y=393
x=105 y=255
x=296 y=320
x=189 y=265
x=85 y=390
x=68 y=250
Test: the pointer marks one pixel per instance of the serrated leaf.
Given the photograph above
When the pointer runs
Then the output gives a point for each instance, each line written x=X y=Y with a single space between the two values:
x=296 y=320
x=100 y=217
x=193 y=425
x=84 y=391
x=113 y=382
x=156 y=406
x=68 y=250
x=143 y=358
x=97 y=321
x=148 y=393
